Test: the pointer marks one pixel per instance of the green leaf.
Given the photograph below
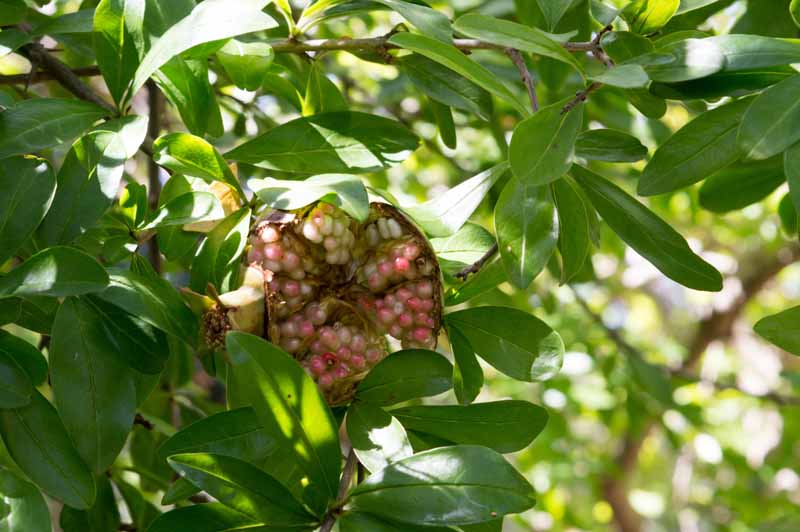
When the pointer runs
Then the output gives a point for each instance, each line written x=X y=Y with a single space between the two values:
x=211 y=20
x=179 y=490
x=505 y=426
x=217 y=260
x=788 y=215
x=464 y=247
x=25 y=356
x=235 y=433
x=648 y=16
x=142 y=512
x=444 y=122
x=446 y=86
x=794 y=10
x=746 y=52
x=362 y=522
x=515 y=342
x=741 y=184
x=186 y=85
x=212 y=517
x=345 y=142
x=683 y=60
x=291 y=409
x=118 y=42
x=185 y=153
x=542 y=146
x=527 y=230
x=553 y=10
x=574 y=243
x=623 y=76
x=321 y=95
x=243 y=487
x=405 y=375
x=187 y=208
x=782 y=330
x=378 y=439
x=94 y=389
x=103 y=516
x=90 y=176
x=450 y=485
x=37 y=441
x=32 y=125
x=452 y=58
x=609 y=145
x=174 y=242
x=26 y=510
x=624 y=45
x=770 y=124
x=488 y=277
x=154 y=300
x=648 y=234
x=646 y=103
x=15 y=386
x=697 y=150
x=343 y=190
x=428 y=21
x=723 y=84
x=791 y=165
x=446 y=213
x=11 y=39
x=27 y=186
x=512 y=35
x=652 y=379
x=467 y=371
x=56 y=272
x=76 y=22
x=246 y=62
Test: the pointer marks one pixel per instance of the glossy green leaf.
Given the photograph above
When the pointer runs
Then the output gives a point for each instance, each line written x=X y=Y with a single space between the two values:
x=553 y=11
x=648 y=16
x=515 y=342
x=27 y=186
x=185 y=83
x=428 y=21
x=505 y=426
x=343 y=190
x=101 y=517
x=346 y=142
x=15 y=386
x=212 y=517
x=574 y=243
x=217 y=261
x=173 y=241
x=770 y=124
x=788 y=215
x=527 y=230
x=186 y=209
x=76 y=22
x=512 y=35
x=609 y=145
x=118 y=42
x=154 y=300
x=235 y=433
x=467 y=371
x=39 y=123
x=488 y=277
x=448 y=212
x=185 y=153
x=683 y=60
x=246 y=62
x=450 y=485
x=542 y=146
x=11 y=39
x=741 y=184
x=723 y=84
x=782 y=329
x=746 y=52
x=361 y=522
x=89 y=178
x=446 y=86
x=624 y=45
x=56 y=272
x=444 y=122
x=291 y=410
x=378 y=439
x=322 y=95
x=27 y=511
x=38 y=442
x=794 y=10
x=211 y=20
x=178 y=491
x=25 y=356
x=405 y=375
x=452 y=58
x=623 y=76
x=94 y=389
x=462 y=248
x=142 y=512
x=649 y=105
x=243 y=487
x=696 y=151
x=648 y=234
x=791 y=168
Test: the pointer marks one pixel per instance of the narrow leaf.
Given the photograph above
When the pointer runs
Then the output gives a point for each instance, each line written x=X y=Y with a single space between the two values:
x=405 y=375
x=56 y=272
x=770 y=124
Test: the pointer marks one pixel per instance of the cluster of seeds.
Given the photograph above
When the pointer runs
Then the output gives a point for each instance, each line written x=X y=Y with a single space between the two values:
x=405 y=313
x=330 y=227
x=279 y=252
x=383 y=228
x=340 y=352
x=290 y=295
x=297 y=331
x=394 y=263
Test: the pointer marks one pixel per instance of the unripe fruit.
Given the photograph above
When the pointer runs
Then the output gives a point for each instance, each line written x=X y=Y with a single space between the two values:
x=337 y=288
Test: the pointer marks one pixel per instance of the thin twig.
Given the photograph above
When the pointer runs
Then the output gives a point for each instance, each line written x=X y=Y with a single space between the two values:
x=477 y=265
x=525 y=75
x=341 y=496
x=43 y=75
x=581 y=97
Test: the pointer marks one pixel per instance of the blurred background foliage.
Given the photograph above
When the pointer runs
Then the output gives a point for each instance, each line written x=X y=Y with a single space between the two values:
x=669 y=413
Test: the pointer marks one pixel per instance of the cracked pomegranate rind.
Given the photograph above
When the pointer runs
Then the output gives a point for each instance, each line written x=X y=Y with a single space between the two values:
x=334 y=289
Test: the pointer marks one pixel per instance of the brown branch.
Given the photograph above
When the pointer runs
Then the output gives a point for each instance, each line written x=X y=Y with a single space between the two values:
x=581 y=97
x=477 y=265
x=341 y=496
x=44 y=75
x=525 y=75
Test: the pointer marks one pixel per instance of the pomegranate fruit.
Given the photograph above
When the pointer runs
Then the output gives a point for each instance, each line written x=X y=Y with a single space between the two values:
x=329 y=290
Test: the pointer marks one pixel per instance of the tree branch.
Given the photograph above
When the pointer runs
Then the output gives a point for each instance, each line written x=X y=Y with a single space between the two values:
x=525 y=75
x=44 y=75
x=341 y=496
x=477 y=265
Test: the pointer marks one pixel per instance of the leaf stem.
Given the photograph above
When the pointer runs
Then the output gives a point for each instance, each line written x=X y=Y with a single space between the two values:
x=477 y=265
x=525 y=75
x=341 y=496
